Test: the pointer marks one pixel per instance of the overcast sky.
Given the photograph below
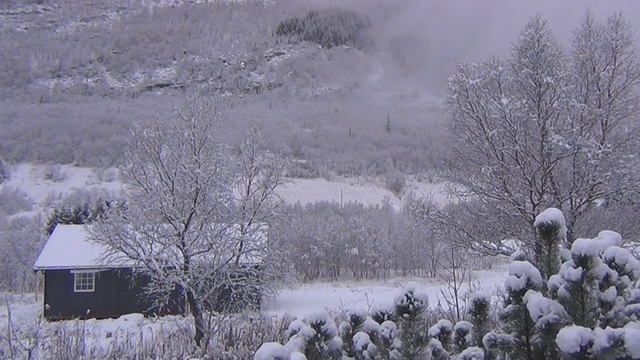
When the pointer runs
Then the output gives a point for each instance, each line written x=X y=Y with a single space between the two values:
x=473 y=30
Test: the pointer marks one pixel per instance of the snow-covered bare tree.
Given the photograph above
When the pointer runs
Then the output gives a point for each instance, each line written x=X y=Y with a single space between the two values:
x=195 y=219
x=542 y=128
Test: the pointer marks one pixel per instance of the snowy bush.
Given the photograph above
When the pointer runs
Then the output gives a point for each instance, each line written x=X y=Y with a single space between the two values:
x=316 y=336
x=54 y=173
x=13 y=201
x=396 y=181
x=20 y=243
x=479 y=313
x=552 y=231
x=463 y=336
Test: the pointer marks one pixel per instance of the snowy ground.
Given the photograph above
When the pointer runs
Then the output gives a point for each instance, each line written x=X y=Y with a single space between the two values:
x=307 y=298
x=368 y=294
x=47 y=183
x=44 y=184
x=343 y=190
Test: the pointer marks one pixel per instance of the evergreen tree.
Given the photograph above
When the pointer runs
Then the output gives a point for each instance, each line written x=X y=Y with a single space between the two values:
x=578 y=284
x=515 y=321
x=443 y=332
x=316 y=337
x=410 y=307
x=480 y=315
x=83 y=212
x=551 y=232
x=463 y=336
x=348 y=328
x=549 y=317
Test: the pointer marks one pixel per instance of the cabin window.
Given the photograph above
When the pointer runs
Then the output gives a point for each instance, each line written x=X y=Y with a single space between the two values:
x=85 y=281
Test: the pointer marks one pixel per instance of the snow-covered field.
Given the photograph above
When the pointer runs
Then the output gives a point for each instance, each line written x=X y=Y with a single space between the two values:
x=297 y=302
x=47 y=183
x=371 y=294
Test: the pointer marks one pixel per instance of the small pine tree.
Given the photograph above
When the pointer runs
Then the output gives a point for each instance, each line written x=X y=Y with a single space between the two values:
x=349 y=328
x=514 y=318
x=577 y=285
x=463 y=336
x=551 y=231
x=480 y=315
x=410 y=307
x=549 y=317
x=443 y=332
x=316 y=338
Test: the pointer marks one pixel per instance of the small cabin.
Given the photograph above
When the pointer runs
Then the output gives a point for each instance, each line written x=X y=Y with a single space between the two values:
x=78 y=283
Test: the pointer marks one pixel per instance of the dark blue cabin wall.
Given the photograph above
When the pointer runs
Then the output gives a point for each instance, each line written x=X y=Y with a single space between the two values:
x=117 y=292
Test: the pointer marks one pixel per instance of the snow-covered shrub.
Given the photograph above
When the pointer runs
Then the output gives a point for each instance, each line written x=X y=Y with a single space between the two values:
x=551 y=230
x=396 y=181
x=364 y=348
x=382 y=313
x=272 y=351
x=514 y=317
x=549 y=317
x=585 y=285
x=390 y=343
x=316 y=337
x=443 y=332
x=479 y=313
x=349 y=327
x=13 y=201
x=463 y=336
x=575 y=340
x=471 y=353
x=410 y=308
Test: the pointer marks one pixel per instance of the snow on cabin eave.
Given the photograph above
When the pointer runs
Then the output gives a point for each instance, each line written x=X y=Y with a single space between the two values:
x=87 y=268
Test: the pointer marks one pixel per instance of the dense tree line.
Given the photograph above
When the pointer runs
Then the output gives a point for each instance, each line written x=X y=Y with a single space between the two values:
x=330 y=240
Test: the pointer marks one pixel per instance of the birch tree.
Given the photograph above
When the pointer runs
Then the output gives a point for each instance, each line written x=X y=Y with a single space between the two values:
x=543 y=128
x=194 y=216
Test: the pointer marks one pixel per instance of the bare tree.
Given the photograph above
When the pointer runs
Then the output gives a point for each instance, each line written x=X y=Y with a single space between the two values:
x=542 y=129
x=194 y=220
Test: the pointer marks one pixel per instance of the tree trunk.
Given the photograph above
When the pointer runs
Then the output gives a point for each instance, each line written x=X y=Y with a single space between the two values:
x=198 y=318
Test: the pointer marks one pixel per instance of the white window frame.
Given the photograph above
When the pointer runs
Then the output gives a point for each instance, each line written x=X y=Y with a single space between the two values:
x=84 y=281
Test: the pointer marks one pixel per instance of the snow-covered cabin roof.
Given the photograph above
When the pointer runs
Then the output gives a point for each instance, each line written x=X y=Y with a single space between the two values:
x=71 y=247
